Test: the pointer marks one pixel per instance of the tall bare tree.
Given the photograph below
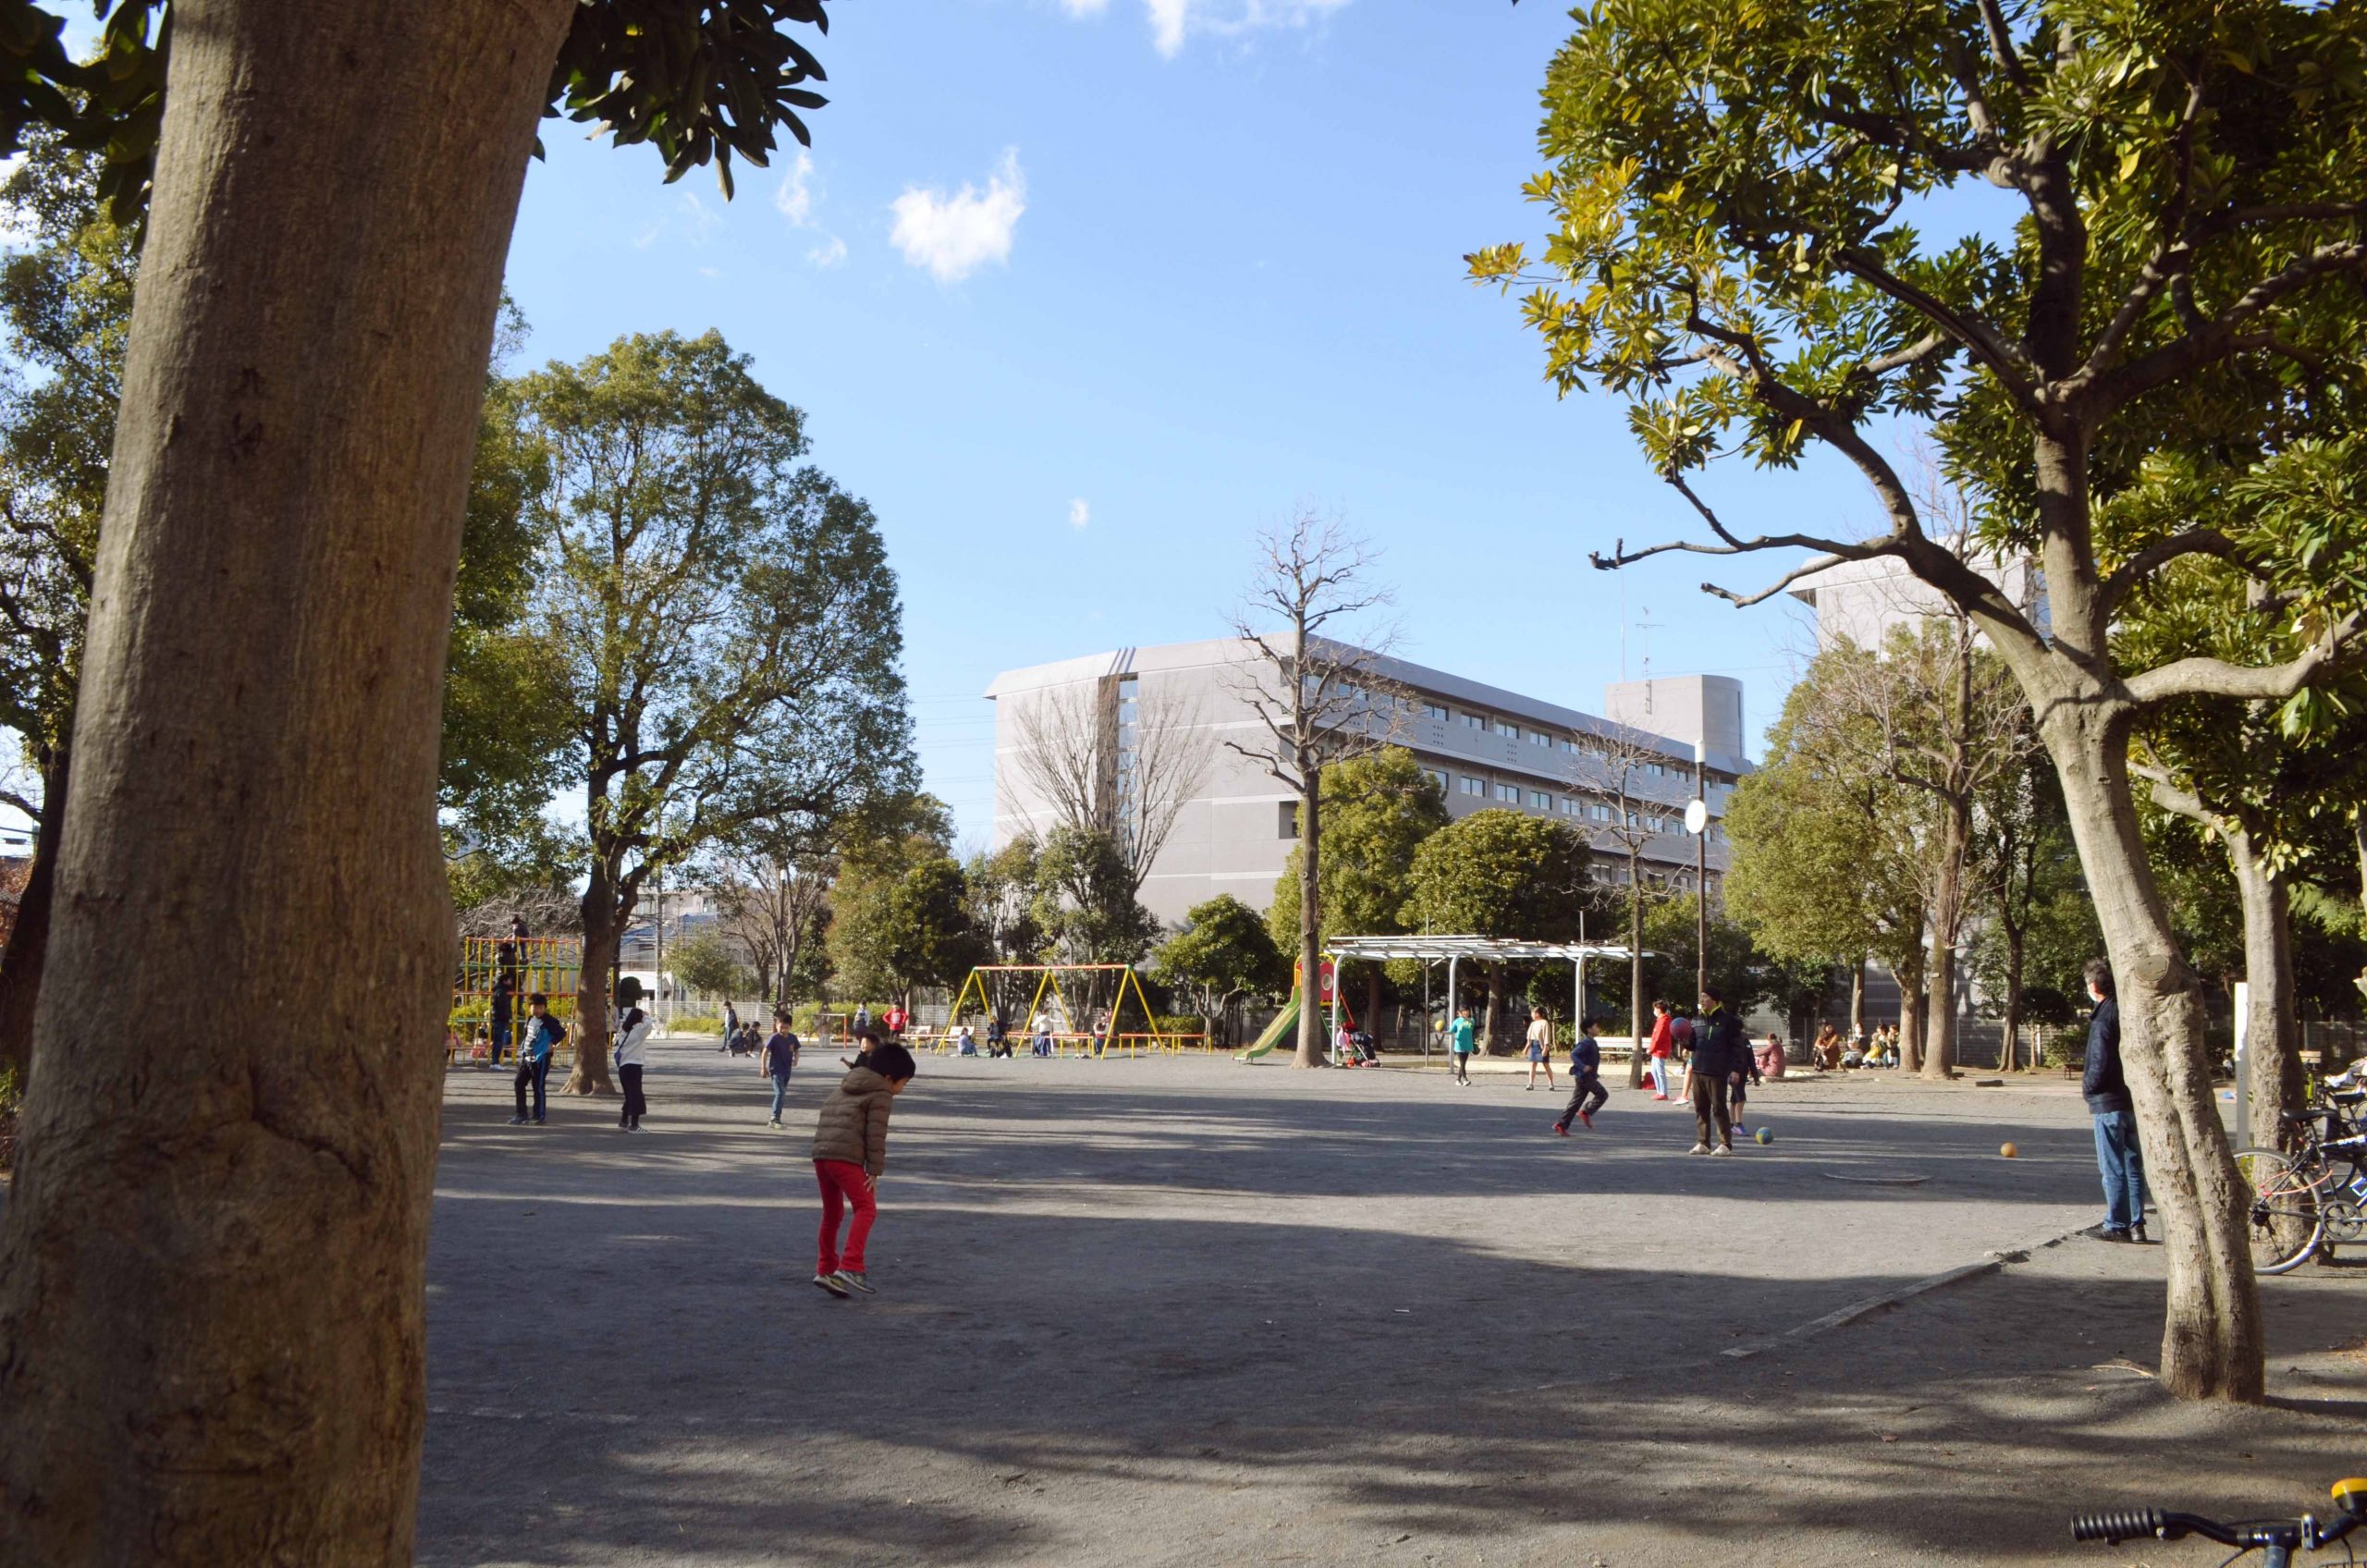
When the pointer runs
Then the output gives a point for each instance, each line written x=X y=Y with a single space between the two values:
x=1318 y=699
x=1945 y=718
x=772 y=899
x=1102 y=769
x=1611 y=766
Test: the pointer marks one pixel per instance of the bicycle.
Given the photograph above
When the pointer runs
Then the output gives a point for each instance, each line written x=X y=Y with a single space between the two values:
x=2302 y=1202
x=2276 y=1539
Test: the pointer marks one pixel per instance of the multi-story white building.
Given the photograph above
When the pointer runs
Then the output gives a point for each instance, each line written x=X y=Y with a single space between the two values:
x=1485 y=746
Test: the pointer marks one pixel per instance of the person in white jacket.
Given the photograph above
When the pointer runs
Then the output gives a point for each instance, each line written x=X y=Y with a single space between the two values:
x=632 y=1034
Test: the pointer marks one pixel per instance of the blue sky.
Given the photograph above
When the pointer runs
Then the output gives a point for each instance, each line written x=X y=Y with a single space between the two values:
x=1080 y=298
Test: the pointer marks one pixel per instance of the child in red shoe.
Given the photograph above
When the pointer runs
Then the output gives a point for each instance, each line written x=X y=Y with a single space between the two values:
x=850 y=1153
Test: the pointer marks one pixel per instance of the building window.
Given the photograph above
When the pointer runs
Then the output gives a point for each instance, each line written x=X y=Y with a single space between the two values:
x=1540 y=800
x=1436 y=778
x=1286 y=825
x=1538 y=738
x=1510 y=793
x=1473 y=721
x=1568 y=744
x=1504 y=727
x=1474 y=786
x=1435 y=711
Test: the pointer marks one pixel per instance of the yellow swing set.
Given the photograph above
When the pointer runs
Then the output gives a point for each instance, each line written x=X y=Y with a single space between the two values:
x=1078 y=1006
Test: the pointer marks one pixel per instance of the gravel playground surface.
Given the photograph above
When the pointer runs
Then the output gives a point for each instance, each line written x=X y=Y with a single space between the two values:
x=1192 y=1312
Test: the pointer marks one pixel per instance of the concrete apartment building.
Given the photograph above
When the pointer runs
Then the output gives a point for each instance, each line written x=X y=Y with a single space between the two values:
x=1486 y=747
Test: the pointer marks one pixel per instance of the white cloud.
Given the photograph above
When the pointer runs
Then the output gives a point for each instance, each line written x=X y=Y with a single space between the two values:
x=794 y=195
x=1084 y=7
x=699 y=220
x=1172 y=22
x=953 y=236
x=1079 y=513
x=828 y=253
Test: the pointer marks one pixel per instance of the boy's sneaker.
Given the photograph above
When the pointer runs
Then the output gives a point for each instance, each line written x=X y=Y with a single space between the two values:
x=1698 y=1149
x=832 y=1283
x=1660 y=1096
x=854 y=1281
x=517 y=1122
x=1722 y=1148
x=1564 y=1131
x=774 y=1124
x=538 y=1121
x=1587 y=1116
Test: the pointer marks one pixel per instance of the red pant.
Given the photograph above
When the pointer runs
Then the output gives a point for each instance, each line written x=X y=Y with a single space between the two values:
x=843 y=1186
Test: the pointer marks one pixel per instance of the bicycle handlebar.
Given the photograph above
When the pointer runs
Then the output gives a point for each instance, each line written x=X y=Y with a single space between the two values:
x=2279 y=1536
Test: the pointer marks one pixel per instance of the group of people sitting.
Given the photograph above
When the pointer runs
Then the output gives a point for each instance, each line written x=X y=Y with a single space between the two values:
x=1836 y=1051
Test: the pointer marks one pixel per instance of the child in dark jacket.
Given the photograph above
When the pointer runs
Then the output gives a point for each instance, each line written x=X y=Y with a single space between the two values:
x=850 y=1153
x=1586 y=1093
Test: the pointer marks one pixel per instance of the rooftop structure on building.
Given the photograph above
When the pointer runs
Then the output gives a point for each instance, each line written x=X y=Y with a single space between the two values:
x=1485 y=746
x=1864 y=602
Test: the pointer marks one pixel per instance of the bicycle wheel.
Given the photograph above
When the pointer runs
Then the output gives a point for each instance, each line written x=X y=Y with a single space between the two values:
x=2286 y=1215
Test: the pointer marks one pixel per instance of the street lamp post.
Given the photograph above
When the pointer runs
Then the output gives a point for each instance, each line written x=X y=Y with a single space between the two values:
x=1697 y=821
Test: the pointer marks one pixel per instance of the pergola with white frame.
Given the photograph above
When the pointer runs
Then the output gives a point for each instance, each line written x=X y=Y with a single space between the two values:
x=1454 y=949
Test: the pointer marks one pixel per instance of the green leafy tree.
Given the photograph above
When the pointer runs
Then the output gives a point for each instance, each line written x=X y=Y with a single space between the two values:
x=1376 y=811
x=900 y=918
x=1224 y=953
x=727 y=618
x=256 y=727
x=1829 y=852
x=1002 y=895
x=2264 y=780
x=1500 y=874
x=709 y=962
x=1084 y=900
x=1733 y=254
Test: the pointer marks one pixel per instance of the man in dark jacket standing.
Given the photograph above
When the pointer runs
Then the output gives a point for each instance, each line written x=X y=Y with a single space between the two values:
x=1721 y=1051
x=2119 y=1160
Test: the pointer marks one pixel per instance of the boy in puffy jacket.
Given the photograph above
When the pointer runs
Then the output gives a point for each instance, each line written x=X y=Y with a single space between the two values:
x=850 y=1153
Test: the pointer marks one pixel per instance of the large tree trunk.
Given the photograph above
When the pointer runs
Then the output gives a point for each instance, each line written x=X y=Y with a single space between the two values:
x=1310 y=924
x=1636 y=1009
x=1947 y=917
x=2272 y=1057
x=2212 y=1344
x=2009 y=1058
x=1911 y=979
x=29 y=938
x=213 y=1271
x=1858 y=999
x=596 y=979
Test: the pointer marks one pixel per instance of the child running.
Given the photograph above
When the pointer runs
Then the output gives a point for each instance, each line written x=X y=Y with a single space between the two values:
x=1586 y=1093
x=850 y=1153
x=779 y=1058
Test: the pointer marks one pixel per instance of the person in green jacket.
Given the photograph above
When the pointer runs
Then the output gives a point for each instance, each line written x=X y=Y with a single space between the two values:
x=1460 y=1044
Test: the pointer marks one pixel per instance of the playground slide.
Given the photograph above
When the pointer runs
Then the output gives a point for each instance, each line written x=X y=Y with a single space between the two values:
x=1284 y=1027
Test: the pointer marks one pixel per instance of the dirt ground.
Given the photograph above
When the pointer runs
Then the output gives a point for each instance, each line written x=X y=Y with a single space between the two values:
x=1189 y=1312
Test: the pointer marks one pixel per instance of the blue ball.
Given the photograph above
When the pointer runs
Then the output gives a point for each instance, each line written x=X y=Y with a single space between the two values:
x=1764 y=1136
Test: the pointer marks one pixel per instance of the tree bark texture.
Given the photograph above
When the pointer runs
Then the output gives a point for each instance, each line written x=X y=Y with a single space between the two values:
x=1635 y=1007
x=29 y=938
x=1911 y=980
x=1310 y=922
x=2272 y=1047
x=2212 y=1344
x=596 y=979
x=2009 y=1054
x=212 y=1272
x=1947 y=917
